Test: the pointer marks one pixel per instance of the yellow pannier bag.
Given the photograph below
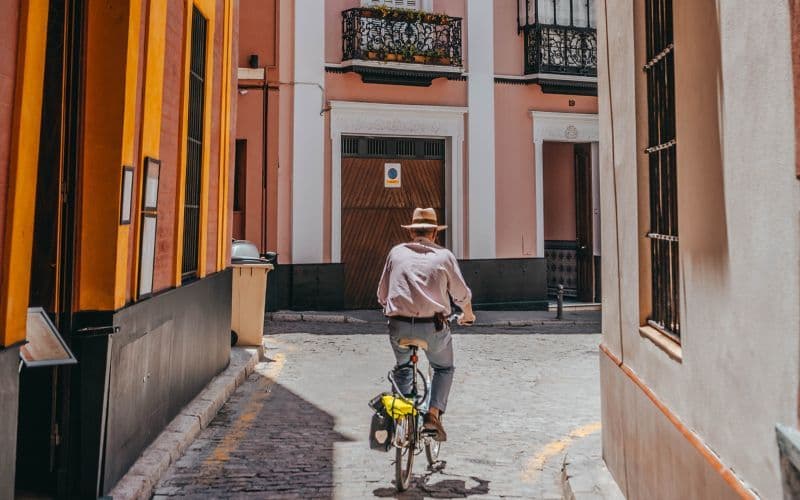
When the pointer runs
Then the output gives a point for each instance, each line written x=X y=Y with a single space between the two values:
x=397 y=407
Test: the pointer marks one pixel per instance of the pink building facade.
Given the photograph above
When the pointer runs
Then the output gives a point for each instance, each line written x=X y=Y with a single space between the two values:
x=486 y=111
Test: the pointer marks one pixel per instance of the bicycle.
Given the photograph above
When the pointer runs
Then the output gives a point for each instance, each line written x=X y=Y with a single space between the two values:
x=409 y=437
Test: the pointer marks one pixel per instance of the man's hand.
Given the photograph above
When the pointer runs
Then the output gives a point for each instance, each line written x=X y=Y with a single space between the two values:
x=468 y=317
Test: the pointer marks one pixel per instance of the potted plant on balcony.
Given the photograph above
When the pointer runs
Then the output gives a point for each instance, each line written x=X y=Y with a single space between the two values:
x=441 y=57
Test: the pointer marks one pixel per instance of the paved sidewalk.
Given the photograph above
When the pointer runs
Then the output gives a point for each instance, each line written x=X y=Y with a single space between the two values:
x=139 y=481
x=585 y=476
x=484 y=318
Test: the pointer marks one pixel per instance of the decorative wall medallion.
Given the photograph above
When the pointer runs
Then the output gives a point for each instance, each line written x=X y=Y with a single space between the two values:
x=571 y=132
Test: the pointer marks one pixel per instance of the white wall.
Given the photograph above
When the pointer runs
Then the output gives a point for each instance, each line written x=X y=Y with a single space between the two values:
x=738 y=223
x=480 y=96
x=308 y=166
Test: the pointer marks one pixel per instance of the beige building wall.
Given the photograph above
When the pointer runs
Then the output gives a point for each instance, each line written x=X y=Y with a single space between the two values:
x=698 y=421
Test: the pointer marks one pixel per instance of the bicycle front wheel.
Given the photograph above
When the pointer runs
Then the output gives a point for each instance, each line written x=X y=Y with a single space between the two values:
x=404 y=457
x=432 y=450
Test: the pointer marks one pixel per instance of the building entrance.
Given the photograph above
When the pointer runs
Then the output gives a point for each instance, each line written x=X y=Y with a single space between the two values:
x=383 y=180
x=43 y=430
x=569 y=221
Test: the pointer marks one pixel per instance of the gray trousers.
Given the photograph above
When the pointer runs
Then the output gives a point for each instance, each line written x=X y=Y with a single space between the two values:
x=440 y=356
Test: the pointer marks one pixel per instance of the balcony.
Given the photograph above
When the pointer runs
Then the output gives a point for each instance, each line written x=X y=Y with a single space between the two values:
x=400 y=47
x=560 y=46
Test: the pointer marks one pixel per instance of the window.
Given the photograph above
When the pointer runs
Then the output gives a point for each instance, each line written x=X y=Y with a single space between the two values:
x=578 y=13
x=661 y=153
x=398 y=4
x=239 y=175
x=194 y=146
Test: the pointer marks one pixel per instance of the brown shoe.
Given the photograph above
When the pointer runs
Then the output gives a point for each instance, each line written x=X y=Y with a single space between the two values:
x=431 y=425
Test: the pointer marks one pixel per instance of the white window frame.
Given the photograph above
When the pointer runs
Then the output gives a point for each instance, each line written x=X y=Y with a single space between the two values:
x=423 y=5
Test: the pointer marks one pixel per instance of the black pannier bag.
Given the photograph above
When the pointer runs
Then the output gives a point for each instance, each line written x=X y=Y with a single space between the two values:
x=381 y=430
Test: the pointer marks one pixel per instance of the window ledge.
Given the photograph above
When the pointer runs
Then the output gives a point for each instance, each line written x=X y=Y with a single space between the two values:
x=663 y=342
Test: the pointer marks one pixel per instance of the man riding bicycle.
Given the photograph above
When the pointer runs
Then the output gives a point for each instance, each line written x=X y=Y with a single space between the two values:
x=418 y=281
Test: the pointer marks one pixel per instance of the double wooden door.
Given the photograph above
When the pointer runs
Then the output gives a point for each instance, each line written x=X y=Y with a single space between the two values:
x=372 y=215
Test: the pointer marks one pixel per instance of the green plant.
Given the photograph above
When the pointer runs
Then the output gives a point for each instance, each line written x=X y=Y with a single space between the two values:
x=385 y=11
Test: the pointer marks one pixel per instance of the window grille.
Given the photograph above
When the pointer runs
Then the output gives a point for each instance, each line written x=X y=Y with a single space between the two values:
x=434 y=149
x=378 y=147
x=393 y=147
x=194 y=146
x=661 y=151
x=405 y=147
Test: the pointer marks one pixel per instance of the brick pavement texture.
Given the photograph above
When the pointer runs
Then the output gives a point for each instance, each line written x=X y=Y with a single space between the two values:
x=298 y=427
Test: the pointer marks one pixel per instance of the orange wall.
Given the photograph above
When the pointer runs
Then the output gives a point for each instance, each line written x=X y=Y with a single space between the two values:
x=9 y=26
x=170 y=151
x=509 y=47
x=349 y=87
x=260 y=26
x=514 y=163
x=249 y=126
x=257 y=31
x=559 y=191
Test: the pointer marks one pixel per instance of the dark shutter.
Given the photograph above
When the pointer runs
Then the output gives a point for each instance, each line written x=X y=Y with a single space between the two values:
x=194 y=147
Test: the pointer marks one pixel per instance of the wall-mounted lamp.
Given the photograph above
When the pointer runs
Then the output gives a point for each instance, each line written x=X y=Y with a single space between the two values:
x=253 y=61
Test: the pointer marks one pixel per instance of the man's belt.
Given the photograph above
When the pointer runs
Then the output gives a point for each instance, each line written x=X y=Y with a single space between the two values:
x=407 y=319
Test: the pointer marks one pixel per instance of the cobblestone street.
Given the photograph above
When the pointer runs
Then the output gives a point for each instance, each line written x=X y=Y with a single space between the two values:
x=298 y=427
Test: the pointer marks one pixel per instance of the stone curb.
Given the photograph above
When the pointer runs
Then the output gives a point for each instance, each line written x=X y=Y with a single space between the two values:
x=340 y=318
x=140 y=481
x=314 y=318
x=588 y=482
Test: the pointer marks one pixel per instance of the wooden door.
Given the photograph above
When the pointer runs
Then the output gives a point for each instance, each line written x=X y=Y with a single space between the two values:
x=372 y=215
x=583 y=223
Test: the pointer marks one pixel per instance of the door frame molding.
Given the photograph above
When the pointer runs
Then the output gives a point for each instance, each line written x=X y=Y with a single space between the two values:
x=559 y=127
x=371 y=119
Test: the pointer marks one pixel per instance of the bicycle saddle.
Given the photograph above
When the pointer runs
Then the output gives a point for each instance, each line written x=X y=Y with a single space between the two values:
x=418 y=343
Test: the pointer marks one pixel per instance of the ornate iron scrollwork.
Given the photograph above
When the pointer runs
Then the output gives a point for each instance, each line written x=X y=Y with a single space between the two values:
x=564 y=50
x=401 y=36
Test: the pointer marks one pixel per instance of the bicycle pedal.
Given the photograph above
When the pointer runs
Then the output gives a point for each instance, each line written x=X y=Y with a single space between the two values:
x=437 y=466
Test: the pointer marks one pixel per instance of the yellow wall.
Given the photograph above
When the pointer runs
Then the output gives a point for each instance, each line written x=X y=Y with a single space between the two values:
x=24 y=168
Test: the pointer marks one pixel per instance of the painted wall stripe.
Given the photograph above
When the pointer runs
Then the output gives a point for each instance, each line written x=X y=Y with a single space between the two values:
x=727 y=475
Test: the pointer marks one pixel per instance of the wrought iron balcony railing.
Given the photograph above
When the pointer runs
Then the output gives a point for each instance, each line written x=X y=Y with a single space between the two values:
x=560 y=50
x=391 y=35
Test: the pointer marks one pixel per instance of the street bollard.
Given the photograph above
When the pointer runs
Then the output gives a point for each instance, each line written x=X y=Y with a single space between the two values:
x=560 y=302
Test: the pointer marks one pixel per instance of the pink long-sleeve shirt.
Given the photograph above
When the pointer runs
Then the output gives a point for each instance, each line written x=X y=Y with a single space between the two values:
x=417 y=278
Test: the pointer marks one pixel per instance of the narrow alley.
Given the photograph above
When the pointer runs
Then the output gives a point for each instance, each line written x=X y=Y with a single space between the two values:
x=298 y=428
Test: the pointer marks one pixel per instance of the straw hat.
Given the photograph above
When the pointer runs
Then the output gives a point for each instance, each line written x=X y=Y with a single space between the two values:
x=424 y=218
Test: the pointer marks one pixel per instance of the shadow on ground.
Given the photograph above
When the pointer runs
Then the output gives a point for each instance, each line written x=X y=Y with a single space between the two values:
x=438 y=485
x=265 y=442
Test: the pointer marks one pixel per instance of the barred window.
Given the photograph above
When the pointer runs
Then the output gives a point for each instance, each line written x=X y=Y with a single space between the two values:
x=194 y=147
x=661 y=151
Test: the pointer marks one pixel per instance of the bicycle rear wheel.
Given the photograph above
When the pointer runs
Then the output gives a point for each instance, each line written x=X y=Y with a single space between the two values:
x=404 y=457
